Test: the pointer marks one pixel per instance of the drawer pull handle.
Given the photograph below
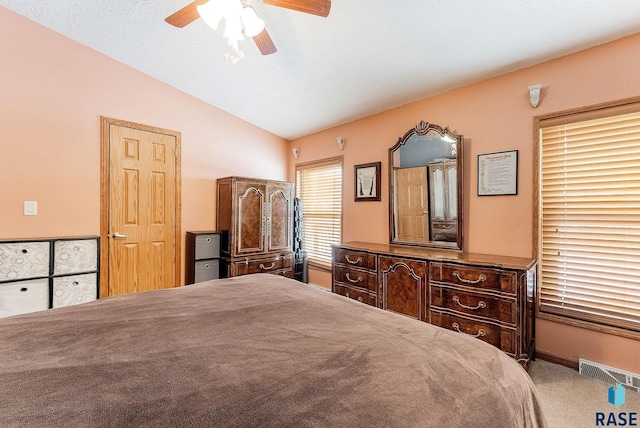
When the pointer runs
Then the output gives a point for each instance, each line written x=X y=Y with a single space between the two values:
x=359 y=297
x=75 y=283
x=25 y=251
x=456 y=327
x=481 y=278
x=353 y=262
x=481 y=304
x=263 y=267
x=353 y=281
x=24 y=289
x=207 y=265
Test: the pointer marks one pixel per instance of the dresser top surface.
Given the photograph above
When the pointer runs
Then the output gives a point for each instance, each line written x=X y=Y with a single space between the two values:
x=489 y=260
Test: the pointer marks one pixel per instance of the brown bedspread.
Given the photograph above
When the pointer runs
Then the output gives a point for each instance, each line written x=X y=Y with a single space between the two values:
x=252 y=351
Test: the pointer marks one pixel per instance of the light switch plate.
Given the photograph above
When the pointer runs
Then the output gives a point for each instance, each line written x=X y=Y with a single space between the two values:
x=30 y=207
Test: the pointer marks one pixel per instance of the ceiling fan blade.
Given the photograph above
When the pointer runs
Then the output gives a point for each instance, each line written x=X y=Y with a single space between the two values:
x=186 y=15
x=314 y=7
x=264 y=43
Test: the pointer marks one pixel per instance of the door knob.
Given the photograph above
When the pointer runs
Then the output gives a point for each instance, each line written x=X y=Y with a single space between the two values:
x=119 y=235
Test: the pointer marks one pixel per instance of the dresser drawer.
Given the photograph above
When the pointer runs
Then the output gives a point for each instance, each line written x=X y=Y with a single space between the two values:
x=356 y=294
x=504 y=338
x=287 y=273
x=355 y=258
x=75 y=256
x=356 y=278
x=477 y=277
x=477 y=304
x=273 y=265
x=206 y=270
x=269 y=265
x=20 y=260
x=207 y=246
x=24 y=296
x=75 y=289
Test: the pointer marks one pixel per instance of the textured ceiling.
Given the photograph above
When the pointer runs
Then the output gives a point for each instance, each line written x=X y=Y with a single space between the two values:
x=365 y=57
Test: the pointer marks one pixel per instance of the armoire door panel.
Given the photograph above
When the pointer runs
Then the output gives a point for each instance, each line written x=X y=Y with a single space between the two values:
x=251 y=218
x=280 y=221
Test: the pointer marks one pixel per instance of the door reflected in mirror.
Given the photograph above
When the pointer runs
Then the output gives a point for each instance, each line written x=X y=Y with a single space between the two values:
x=426 y=188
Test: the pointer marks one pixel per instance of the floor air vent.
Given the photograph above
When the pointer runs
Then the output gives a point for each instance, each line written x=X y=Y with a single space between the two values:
x=611 y=375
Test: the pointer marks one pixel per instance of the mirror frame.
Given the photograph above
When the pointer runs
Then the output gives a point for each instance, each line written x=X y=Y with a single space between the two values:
x=424 y=128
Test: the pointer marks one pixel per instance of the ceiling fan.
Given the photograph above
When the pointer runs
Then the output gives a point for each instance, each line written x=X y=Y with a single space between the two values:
x=210 y=11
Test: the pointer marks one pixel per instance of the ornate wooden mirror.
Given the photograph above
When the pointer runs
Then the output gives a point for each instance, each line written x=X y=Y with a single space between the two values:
x=425 y=188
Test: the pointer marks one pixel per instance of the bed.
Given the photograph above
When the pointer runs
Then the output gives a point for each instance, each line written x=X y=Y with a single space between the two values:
x=251 y=351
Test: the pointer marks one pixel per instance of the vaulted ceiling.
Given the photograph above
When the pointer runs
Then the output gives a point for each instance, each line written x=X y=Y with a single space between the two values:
x=365 y=57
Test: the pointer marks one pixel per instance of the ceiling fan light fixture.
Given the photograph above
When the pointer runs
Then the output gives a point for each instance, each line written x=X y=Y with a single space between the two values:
x=233 y=29
x=251 y=22
x=211 y=13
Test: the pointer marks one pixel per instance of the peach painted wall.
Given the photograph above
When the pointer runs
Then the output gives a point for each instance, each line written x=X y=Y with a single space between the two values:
x=493 y=115
x=52 y=94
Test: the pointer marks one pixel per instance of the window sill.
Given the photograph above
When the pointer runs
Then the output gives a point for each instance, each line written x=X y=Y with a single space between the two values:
x=320 y=266
x=589 y=325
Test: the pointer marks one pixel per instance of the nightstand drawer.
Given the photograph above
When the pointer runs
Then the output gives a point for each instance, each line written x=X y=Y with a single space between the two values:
x=477 y=277
x=355 y=258
x=501 y=337
x=476 y=304
x=356 y=278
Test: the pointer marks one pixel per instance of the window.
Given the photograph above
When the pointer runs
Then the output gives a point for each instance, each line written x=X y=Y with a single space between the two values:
x=589 y=224
x=319 y=187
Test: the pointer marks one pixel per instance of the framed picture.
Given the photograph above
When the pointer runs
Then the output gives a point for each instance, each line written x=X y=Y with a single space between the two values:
x=498 y=173
x=367 y=181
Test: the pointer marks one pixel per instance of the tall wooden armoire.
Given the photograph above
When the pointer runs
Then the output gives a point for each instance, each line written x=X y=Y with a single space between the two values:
x=256 y=217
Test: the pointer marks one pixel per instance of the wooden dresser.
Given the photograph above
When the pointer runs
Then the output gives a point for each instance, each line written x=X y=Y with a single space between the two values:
x=486 y=296
x=256 y=218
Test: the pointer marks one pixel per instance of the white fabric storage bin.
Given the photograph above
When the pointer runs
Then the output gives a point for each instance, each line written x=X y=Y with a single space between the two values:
x=24 y=296
x=72 y=290
x=75 y=256
x=22 y=260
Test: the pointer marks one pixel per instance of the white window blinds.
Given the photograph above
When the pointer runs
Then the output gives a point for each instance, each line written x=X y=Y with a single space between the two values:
x=590 y=220
x=319 y=187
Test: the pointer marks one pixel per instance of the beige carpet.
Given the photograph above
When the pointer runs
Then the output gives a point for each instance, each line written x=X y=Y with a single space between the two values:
x=572 y=401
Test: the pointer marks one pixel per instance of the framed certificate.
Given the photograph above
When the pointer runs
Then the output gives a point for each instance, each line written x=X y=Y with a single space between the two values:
x=498 y=173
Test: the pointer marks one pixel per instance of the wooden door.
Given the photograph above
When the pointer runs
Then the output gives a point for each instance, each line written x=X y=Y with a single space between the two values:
x=280 y=225
x=412 y=204
x=142 y=224
x=251 y=217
